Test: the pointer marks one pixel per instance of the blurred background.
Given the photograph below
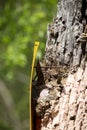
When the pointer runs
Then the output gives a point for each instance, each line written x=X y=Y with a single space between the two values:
x=22 y=22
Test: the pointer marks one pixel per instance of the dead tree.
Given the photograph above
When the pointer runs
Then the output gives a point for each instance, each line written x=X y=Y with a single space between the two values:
x=61 y=101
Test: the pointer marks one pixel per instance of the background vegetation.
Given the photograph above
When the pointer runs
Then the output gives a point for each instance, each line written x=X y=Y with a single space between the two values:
x=21 y=23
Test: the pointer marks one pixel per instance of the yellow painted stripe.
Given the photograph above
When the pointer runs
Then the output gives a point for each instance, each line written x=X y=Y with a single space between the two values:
x=36 y=45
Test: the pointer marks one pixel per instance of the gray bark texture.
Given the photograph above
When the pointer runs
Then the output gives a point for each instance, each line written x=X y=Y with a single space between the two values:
x=61 y=101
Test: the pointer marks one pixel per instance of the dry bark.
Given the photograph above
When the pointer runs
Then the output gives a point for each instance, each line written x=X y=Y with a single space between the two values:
x=61 y=102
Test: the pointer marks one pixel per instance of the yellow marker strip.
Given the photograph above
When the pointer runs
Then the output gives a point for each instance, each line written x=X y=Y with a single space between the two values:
x=36 y=45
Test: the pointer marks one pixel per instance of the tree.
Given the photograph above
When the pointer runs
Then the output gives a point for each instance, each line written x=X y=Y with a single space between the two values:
x=61 y=101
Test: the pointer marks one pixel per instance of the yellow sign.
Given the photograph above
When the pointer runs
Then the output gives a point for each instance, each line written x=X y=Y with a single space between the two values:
x=36 y=45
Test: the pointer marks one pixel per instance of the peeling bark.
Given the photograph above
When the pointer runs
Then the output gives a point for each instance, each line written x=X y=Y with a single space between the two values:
x=63 y=44
x=61 y=103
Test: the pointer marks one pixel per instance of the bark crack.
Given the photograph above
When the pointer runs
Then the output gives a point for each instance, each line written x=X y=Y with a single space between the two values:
x=84 y=10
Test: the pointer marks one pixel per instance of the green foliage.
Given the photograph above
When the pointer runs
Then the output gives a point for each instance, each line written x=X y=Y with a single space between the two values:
x=4 y=126
x=22 y=22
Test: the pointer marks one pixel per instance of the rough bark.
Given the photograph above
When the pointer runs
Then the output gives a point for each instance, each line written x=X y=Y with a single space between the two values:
x=63 y=44
x=61 y=102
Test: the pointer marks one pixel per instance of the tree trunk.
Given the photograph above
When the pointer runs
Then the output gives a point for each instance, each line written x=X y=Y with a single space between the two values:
x=61 y=102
